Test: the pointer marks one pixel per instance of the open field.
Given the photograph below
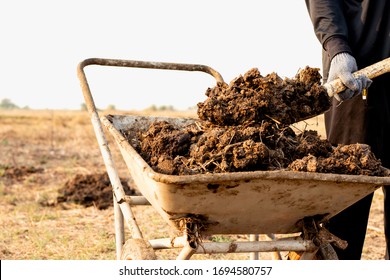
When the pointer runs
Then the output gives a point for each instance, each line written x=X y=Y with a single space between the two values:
x=42 y=150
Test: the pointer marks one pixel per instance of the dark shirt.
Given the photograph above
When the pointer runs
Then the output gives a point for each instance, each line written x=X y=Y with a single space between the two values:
x=361 y=28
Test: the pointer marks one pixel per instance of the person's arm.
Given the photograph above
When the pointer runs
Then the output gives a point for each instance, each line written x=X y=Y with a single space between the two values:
x=331 y=29
x=329 y=25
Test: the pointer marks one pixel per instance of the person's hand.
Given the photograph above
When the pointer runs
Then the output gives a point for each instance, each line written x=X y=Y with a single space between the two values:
x=342 y=66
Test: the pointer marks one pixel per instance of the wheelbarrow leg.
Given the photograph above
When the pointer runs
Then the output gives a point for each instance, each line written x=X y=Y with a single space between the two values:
x=186 y=253
x=190 y=235
x=254 y=255
x=275 y=255
x=119 y=229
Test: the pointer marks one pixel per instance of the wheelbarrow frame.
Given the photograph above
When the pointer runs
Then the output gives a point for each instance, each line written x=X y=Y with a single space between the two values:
x=122 y=203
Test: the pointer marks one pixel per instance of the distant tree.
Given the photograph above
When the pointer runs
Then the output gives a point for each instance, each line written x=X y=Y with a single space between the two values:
x=83 y=107
x=166 y=108
x=111 y=107
x=7 y=104
x=152 y=108
x=161 y=108
x=191 y=108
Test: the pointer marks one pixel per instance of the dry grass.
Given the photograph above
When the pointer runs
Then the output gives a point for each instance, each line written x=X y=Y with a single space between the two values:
x=33 y=226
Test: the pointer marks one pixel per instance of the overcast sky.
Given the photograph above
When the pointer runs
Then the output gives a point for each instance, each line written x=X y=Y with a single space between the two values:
x=42 y=42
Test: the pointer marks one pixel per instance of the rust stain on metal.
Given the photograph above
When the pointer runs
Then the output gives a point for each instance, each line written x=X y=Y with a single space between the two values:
x=233 y=186
x=213 y=187
x=229 y=189
x=232 y=247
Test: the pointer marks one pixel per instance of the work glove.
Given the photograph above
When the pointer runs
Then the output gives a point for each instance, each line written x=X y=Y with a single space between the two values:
x=342 y=66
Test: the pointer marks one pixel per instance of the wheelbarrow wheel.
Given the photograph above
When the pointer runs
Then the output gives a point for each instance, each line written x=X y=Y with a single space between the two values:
x=327 y=252
x=137 y=249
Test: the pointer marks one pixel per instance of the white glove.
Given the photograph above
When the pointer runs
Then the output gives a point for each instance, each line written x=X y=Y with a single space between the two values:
x=342 y=66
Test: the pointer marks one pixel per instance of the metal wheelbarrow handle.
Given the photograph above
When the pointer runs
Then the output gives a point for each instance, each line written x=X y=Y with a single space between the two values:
x=122 y=210
x=372 y=71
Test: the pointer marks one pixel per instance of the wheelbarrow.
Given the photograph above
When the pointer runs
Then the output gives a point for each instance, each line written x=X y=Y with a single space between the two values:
x=292 y=204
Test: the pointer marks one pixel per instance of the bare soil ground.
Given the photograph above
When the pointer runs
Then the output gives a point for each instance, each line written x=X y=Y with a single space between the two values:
x=45 y=153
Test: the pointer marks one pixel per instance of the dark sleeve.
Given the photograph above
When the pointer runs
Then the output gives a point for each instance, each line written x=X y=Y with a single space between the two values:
x=329 y=25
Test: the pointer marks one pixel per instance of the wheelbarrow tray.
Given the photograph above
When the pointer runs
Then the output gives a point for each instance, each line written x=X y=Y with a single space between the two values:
x=258 y=202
